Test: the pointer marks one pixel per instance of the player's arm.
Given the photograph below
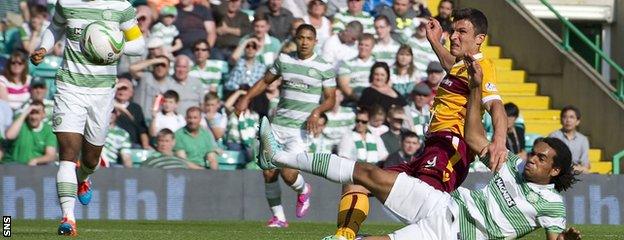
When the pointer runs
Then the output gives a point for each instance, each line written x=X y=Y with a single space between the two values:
x=493 y=103
x=256 y=90
x=53 y=33
x=570 y=234
x=329 y=100
x=434 y=34
x=473 y=128
x=135 y=43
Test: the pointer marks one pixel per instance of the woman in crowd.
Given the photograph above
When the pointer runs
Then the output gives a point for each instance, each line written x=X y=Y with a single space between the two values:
x=380 y=92
x=15 y=81
x=404 y=76
x=316 y=17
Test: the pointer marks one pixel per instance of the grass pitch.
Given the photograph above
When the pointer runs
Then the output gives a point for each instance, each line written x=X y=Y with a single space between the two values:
x=152 y=230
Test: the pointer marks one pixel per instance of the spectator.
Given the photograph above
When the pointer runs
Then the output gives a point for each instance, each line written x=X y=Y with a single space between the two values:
x=15 y=81
x=277 y=17
x=131 y=116
x=435 y=75
x=247 y=70
x=386 y=48
x=166 y=31
x=266 y=104
x=423 y=52
x=210 y=72
x=38 y=92
x=150 y=84
x=232 y=24
x=418 y=110
x=31 y=31
x=377 y=119
x=115 y=145
x=353 y=13
x=6 y=118
x=402 y=17
x=145 y=18
x=410 y=144
x=164 y=156
x=296 y=7
x=404 y=74
x=316 y=18
x=354 y=74
x=289 y=46
x=445 y=9
x=212 y=119
x=268 y=45
x=340 y=120
x=392 y=138
x=360 y=144
x=576 y=141
x=342 y=46
x=190 y=89
x=155 y=48
x=194 y=22
x=515 y=133
x=241 y=129
x=32 y=143
x=165 y=113
x=195 y=144
x=158 y=5
x=320 y=144
x=10 y=35
x=380 y=91
x=371 y=6
x=335 y=6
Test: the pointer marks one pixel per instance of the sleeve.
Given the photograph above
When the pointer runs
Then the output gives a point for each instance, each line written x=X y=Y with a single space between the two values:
x=276 y=68
x=329 y=78
x=554 y=219
x=50 y=138
x=206 y=14
x=232 y=83
x=55 y=30
x=381 y=149
x=488 y=86
x=337 y=25
x=344 y=69
x=135 y=43
x=585 y=153
x=212 y=143
x=179 y=143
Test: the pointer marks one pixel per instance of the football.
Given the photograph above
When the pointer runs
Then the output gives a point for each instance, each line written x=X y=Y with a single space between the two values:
x=101 y=44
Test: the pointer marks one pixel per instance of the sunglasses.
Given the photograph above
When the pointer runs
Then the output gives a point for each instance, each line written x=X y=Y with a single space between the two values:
x=361 y=121
x=160 y=65
x=17 y=63
x=250 y=46
x=201 y=49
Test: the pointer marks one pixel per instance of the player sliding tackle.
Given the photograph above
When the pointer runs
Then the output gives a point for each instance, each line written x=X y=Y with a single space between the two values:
x=84 y=99
x=520 y=198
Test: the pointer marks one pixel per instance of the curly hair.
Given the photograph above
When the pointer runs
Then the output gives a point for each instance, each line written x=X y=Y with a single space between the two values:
x=562 y=160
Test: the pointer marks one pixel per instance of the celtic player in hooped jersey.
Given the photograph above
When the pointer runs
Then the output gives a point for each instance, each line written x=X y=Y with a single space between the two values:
x=85 y=91
x=306 y=77
x=522 y=197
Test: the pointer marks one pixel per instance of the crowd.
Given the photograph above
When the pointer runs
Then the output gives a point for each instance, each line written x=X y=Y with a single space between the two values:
x=177 y=101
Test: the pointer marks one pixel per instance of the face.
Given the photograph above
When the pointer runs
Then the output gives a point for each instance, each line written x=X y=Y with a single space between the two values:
x=158 y=51
x=380 y=77
x=339 y=97
x=410 y=145
x=160 y=70
x=382 y=29
x=211 y=106
x=400 y=7
x=305 y=41
x=275 y=5
x=464 y=39
x=317 y=9
x=251 y=50
x=17 y=66
x=365 y=48
x=569 y=121
x=193 y=118
x=377 y=120
x=168 y=20
x=38 y=93
x=361 y=123
x=36 y=22
x=260 y=28
x=234 y=5
x=355 y=6
x=445 y=9
x=404 y=58
x=125 y=91
x=186 y=2
x=36 y=116
x=510 y=122
x=169 y=104
x=539 y=167
x=181 y=68
x=395 y=122
x=434 y=78
x=165 y=143
x=348 y=37
x=420 y=100
x=293 y=27
x=201 y=52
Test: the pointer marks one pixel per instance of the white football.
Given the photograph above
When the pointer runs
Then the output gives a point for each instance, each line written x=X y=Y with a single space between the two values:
x=102 y=44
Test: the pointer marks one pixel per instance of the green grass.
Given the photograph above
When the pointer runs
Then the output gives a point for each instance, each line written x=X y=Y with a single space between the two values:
x=152 y=230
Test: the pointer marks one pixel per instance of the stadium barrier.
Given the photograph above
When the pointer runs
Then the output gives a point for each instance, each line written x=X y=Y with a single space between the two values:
x=155 y=194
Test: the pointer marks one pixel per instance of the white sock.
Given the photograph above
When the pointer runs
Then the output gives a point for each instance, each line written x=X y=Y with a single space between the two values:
x=66 y=188
x=329 y=166
x=300 y=185
x=278 y=212
x=83 y=172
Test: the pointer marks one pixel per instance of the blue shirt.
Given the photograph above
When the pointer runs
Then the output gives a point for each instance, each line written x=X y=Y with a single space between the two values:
x=241 y=75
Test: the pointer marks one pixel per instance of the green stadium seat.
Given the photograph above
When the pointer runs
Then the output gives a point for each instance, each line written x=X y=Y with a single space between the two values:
x=529 y=138
x=138 y=155
x=231 y=160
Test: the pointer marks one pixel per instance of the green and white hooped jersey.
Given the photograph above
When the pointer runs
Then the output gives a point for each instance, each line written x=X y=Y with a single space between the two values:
x=386 y=52
x=509 y=206
x=301 y=89
x=211 y=75
x=423 y=55
x=338 y=124
x=76 y=72
x=358 y=71
x=341 y=20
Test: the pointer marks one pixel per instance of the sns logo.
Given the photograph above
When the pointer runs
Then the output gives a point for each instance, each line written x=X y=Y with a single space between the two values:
x=6 y=226
x=447 y=82
x=431 y=163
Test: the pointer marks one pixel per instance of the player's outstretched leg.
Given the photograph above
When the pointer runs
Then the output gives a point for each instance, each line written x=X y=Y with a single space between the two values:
x=267 y=145
x=88 y=165
x=273 y=195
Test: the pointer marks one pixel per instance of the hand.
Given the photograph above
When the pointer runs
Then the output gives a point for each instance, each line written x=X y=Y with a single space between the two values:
x=312 y=123
x=570 y=234
x=474 y=71
x=37 y=56
x=242 y=105
x=434 y=30
x=498 y=155
x=241 y=92
x=33 y=162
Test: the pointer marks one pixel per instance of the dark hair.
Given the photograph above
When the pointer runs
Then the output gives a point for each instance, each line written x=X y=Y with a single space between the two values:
x=200 y=41
x=355 y=27
x=474 y=16
x=38 y=10
x=382 y=18
x=125 y=75
x=17 y=55
x=512 y=110
x=563 y=161
x=577 y=112
x=324 y=116
x=448 y=1
x=406 y=48
x=172 y=94
x=37 y=103
x=408 y=134
x=305 y=26
x=311 y=3
x=379 y=65
x=260 y=17
x=211 y=96
x=164 y=132
x=362 y=110
x=377 y=110
x=193 y=109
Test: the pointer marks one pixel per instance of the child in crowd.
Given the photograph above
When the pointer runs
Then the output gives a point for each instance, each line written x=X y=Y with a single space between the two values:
x=241 y=129
x=377 y=120
x=165 y=30
x=212 y=119
x=164 y=113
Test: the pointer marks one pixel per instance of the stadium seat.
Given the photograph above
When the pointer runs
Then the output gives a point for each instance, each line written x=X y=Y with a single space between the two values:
x=231 y=160
x=138 y=156
x=529 y=139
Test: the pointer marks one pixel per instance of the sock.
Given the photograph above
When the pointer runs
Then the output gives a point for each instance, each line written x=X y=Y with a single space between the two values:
x=83 y=172
x=300 y=185
x=66 y=188
x=273 y=195
x=352 y=212
x=331 y=167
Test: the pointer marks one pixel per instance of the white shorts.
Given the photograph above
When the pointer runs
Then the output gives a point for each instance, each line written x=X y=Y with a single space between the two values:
x=292 y=140
x=424 y=208
x=83 y=113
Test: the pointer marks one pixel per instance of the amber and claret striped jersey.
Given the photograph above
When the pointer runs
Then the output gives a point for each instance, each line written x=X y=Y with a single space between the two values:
x=449 y=105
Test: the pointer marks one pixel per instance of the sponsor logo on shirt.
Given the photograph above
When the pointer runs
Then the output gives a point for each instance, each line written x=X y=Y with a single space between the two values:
x=506 y=196
x=491 y=87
